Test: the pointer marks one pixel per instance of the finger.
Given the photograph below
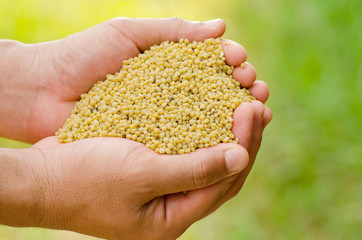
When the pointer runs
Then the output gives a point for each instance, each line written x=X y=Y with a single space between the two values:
x=255 y=141
x=253 y=150
x=254 y=147
x=260 y=91
x=185 y=209
x=243 y=123
x=268 y=116
x=234 y=53
x=146 y=32
x=245 y=75
x=245 y=135
x=199 y=169
x=259 y=110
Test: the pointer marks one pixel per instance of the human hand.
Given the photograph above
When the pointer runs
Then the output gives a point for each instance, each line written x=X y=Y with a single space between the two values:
x=62 y=70
x=119 y=189
x=51 y=107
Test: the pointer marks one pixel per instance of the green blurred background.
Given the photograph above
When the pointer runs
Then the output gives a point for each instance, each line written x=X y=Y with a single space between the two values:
x=306 y=183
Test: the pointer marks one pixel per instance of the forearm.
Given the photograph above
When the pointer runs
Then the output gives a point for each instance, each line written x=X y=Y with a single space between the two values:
x=17 y=88
x=21 y=200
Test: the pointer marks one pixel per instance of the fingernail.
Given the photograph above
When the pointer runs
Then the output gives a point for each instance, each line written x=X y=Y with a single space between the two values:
x=236 y=160
x=213 y=22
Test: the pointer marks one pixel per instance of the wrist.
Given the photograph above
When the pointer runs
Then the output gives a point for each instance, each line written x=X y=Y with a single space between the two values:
x=21 y=188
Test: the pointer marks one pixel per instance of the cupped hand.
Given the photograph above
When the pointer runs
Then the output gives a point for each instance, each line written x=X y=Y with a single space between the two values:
x=66 y=68
x=116 y=188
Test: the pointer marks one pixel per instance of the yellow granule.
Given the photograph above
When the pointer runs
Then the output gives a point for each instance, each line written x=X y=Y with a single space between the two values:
x=174 y=98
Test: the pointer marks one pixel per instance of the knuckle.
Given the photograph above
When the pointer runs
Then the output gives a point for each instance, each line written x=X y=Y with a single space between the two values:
x=118 y=19
x=177 y=23
x=234 y=192
x=201 y=175
x=258 y=106
x=116 y=23
x=221 y=193
x=177 y=20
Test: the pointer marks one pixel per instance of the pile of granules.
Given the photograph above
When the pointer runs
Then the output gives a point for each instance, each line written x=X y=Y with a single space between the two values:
x=174 y=98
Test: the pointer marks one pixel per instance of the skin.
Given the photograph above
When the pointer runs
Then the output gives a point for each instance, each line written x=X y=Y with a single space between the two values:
x=110 y=187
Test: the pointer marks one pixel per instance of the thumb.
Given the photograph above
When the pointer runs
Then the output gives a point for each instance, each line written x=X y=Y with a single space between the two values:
x=145 y=32
x=100 y=50
x=199 y=169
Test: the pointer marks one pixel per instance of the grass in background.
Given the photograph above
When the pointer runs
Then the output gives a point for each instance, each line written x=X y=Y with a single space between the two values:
x=306 y=181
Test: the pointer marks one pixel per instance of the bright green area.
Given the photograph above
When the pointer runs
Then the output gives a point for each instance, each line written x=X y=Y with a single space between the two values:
x=306 y=183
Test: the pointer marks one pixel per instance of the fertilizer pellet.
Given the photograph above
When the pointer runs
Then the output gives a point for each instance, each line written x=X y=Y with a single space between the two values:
x=174 y=98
